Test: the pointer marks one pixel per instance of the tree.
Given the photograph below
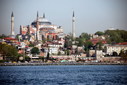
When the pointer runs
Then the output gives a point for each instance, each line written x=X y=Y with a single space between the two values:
x=68 y=42
x=68 y=52
x=9 y=52
x=2 y=36
x=31 y=45
x=86 y=36
x=88 y=45
x=80 y=41
x=123 y=55
x=59 y=53
x=27 y=58
x=116 y=36
x=47 y=57
x=124 y=35
x=99 y=33
x=35 y=51
x=12 y=52
x=99 y=45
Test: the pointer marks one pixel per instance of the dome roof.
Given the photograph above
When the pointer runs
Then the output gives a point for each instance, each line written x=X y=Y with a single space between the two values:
x=42 y=21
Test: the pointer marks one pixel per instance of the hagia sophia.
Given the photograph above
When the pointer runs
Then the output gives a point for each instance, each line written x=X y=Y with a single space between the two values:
x=40 y=29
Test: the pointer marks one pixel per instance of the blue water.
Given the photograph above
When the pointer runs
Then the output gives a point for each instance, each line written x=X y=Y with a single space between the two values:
x=64 y=75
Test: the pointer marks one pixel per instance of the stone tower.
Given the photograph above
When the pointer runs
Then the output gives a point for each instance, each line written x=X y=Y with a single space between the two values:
x=12 y=24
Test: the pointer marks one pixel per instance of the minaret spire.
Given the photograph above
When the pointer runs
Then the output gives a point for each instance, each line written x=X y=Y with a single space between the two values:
x=73 y=14
x=12 y=15
x=20 y=29
x=73 y=26
x=37 y=15
x=12 y=24
x=43 y=15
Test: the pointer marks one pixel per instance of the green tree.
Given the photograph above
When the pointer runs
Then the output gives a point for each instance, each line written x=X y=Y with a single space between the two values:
x=27 y=58
x=12 y=53
x=116 y=36
x=59 y=53
x=31 y=45
x=99 y=45
x=68 y=52
x=124 y=35
x=35 y=51
x=68 y=41
x=86 y=36
x=123 y=55
x=80 y=41
x=88 y=45
x=3 y=36
x=99 y=33
x=47 y=57
x=9 y=52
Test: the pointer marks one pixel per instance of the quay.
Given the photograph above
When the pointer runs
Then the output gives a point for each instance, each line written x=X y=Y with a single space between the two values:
x=67 y=63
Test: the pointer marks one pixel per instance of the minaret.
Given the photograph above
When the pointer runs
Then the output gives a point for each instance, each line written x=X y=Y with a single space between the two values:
x=12 y=24
x=20 y=30
x=73 y=26
x=29 y=29
x=37 y=15
x=37 y=31
x=43 y=15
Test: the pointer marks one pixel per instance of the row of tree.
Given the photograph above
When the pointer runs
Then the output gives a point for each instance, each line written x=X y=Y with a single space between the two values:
x=8 y=52
x=115 y=36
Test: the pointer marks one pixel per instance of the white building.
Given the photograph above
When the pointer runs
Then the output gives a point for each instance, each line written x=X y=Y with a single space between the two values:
x=115 y=48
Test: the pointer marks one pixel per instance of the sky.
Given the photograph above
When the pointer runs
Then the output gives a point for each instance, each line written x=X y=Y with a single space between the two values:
x=91 y=15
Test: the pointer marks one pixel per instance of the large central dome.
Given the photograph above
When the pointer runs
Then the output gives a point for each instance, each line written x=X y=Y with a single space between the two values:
x=42 y=21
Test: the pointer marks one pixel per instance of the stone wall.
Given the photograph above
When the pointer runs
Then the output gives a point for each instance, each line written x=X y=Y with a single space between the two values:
x=110 y=59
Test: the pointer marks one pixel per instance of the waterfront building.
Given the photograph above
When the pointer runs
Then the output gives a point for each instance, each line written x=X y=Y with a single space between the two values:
x=101 y=58
x=115 y=48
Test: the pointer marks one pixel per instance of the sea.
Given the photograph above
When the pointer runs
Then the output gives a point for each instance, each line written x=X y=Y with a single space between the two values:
x=64 y=75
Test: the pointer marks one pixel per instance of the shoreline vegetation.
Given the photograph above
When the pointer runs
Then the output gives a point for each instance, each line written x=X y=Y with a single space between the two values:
x=44 y=64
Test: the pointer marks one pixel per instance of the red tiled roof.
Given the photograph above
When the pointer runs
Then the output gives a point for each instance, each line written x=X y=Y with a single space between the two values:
x=123 y=43
x=94 y=41
x=9 y=38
